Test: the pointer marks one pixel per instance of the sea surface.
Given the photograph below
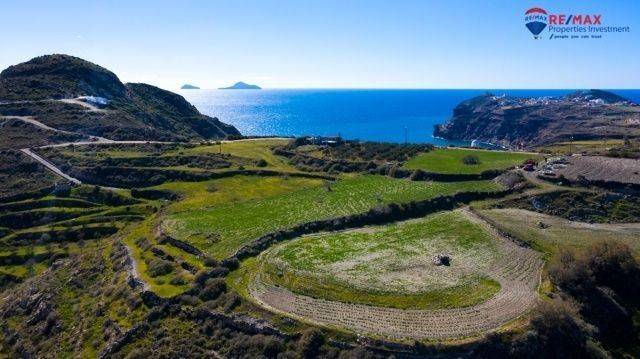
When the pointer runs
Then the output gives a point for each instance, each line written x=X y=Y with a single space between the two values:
x=373 y=115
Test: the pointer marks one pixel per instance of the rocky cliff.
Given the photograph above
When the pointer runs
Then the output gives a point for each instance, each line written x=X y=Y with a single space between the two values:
x=530 y=122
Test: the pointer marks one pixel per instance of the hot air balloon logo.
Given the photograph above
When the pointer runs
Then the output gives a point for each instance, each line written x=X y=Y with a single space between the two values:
x=536 y=20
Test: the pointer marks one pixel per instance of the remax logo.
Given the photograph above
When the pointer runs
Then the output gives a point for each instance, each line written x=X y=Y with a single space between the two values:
x=536 y=20
x=569 y=25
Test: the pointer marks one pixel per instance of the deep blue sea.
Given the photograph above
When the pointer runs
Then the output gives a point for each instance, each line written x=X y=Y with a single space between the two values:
x=376 y=115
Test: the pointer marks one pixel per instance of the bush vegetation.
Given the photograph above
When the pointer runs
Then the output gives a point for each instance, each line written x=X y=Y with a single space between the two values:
x=605 y=281
x=471 y=160
x=158 y=267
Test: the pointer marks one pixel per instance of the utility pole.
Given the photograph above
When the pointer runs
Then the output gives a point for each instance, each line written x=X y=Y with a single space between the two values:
x=571 y=145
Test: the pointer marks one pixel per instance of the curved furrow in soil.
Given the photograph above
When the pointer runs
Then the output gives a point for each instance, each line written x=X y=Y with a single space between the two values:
x=518 y=272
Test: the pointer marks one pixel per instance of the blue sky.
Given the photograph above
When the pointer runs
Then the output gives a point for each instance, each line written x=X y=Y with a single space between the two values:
x=327 y=43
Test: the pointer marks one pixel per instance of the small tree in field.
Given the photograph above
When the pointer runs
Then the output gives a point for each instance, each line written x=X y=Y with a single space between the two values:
x=471 y=160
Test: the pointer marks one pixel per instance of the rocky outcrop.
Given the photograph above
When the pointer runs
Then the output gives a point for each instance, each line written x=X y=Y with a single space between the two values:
x=240 y=322
x=128 y=337
x=521 y=123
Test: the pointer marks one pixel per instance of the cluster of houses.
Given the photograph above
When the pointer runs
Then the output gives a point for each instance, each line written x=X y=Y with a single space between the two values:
x=324 y=140
x=587 y=100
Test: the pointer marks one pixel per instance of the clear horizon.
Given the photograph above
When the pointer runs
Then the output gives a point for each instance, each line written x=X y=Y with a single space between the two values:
x=419 y=88
x=453 y=44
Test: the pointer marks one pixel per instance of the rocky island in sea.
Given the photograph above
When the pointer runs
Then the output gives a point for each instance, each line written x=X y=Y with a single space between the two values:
x=189 y=87
x=241 y=86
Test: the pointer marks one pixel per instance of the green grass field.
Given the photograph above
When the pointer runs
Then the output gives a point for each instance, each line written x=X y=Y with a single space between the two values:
x=225 y=227
x=198 y=195
x=242 y=152
x=449 y=160
x=254 y=149
x=389 y=266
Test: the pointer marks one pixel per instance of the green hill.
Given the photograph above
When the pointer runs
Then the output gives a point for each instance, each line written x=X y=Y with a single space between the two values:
x=102 y=105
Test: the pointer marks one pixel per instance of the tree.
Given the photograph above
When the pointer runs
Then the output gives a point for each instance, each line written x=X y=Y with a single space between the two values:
x=471 y=160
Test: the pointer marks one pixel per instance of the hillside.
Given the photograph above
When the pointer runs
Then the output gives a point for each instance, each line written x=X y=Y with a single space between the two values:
x=529 y=122
x=68 y=94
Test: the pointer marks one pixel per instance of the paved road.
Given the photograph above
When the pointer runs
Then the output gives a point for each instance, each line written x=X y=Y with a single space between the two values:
x=50 y=166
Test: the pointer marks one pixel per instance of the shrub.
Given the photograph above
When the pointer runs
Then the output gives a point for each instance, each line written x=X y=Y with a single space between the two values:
x=210 y=262
x=232 y=300
x=212 y=289
x=471 y=160
x=609 y=263
x=261 y=163
x=605 y=280
x=417 y=175
x=310 y=342
x=178 y=280
x=189 y=300
x=158 y=267
x=231 y=263
x=201 y=276
x=143 y=243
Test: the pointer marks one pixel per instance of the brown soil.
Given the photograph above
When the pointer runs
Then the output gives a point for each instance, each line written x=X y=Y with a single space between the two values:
x=598 y=168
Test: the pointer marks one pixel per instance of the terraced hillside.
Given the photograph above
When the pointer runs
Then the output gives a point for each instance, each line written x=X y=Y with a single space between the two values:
x=222 y=229
x=517 y=269
x=36 y=232
x=210 y=246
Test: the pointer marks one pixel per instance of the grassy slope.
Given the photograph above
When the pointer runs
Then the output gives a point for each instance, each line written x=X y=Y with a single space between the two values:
x=375 y=267
x=245 y=152
x=198 y=195
x=222 y=229
x=32 y=267
x=561 y=233
x=254 y=149
x=579 y=146
x=85 y=296
x=449 y=160
x=161 y=285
